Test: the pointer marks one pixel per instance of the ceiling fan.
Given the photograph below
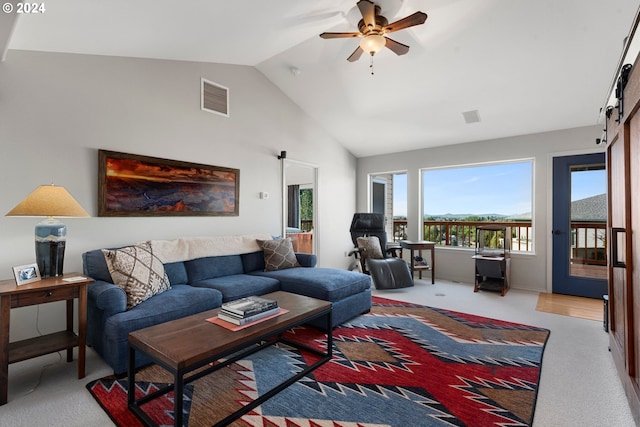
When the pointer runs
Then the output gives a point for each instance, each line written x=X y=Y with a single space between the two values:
x=373 y=27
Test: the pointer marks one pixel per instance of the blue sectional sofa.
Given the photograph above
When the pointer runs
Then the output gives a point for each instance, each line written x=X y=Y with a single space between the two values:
x=204 y=283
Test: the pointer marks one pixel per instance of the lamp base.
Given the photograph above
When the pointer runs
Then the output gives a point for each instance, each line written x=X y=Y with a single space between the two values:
x=50 y=258
x=51 y=236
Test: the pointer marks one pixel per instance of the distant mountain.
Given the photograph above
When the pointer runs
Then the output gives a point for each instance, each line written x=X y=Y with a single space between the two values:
x=519 y=217
x=588 y=209
x=458 y=217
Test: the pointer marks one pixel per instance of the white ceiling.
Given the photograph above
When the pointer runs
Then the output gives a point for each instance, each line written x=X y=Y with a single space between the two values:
x=526 y=66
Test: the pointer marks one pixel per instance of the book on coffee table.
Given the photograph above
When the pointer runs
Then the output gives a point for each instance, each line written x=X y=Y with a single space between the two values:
x=248 y=306
x=216 y=320
x=238 y=320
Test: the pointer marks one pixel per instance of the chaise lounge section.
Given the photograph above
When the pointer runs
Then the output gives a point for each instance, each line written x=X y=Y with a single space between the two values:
x=203 y=273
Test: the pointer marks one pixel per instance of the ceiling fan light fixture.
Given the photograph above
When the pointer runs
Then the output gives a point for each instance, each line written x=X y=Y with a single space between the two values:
x=372 y=43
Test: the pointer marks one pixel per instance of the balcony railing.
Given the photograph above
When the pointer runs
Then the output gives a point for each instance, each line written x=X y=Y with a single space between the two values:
x=588 y=239
x=589 y=243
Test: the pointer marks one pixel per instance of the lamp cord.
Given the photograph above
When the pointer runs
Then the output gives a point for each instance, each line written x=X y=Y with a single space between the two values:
x=45 y=366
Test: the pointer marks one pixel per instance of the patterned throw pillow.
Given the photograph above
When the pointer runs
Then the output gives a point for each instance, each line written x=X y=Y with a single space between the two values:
x=278 y=254
x=371 y=247
x=137 y=271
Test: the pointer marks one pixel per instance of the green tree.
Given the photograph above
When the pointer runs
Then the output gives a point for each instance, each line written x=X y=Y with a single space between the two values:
x=306 y=204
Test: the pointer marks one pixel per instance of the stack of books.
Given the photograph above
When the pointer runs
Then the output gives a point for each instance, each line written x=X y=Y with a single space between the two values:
x=247 y=310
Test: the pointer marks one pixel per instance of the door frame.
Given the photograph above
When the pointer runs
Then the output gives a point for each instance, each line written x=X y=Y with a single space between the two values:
x=555 y=241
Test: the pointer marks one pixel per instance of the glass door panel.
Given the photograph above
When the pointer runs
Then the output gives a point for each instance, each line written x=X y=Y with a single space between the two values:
x=587 y=245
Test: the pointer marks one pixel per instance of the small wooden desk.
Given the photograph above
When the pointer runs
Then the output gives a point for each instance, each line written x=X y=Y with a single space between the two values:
x=419 y=246
x=41 y=292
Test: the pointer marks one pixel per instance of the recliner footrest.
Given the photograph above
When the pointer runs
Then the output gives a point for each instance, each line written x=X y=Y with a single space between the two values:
x=390 y=273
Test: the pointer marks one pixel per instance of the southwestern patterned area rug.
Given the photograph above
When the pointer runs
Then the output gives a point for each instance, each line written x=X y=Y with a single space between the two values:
x=401 y=365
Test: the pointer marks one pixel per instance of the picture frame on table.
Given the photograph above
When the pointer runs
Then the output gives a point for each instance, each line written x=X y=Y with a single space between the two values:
x=27 y=273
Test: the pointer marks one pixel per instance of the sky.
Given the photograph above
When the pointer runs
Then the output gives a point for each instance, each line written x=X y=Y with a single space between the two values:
x=588 y=183
x=504 y=189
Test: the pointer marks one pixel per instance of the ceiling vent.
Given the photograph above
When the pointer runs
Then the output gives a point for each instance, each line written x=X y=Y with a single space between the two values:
x=214 y=98
x=471 y=116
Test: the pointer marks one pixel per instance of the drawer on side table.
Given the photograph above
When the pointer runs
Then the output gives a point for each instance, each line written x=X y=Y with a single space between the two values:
x=44 y=296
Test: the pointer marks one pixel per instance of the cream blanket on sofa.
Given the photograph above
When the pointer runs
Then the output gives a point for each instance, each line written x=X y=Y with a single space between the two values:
x=188 y=248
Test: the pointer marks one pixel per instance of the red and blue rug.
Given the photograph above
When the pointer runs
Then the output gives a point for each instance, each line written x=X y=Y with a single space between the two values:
x=401 y=365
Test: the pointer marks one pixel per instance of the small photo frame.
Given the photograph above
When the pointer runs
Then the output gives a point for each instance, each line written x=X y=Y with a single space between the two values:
x=26 y=274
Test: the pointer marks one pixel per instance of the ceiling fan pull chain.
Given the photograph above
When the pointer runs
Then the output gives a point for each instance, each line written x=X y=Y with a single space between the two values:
x=371 y=65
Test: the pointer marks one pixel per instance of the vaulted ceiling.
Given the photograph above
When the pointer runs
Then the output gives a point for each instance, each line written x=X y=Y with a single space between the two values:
x=523 y=66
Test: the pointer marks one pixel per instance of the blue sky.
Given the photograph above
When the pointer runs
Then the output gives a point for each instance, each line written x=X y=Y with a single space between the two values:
x=488 y=189
x=588 y=183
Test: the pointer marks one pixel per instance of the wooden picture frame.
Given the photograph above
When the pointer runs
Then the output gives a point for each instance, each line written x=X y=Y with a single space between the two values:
x=134 y=185
x=26 y=274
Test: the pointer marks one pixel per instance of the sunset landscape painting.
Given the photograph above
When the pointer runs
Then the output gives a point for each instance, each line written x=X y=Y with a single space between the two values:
x=134 y=185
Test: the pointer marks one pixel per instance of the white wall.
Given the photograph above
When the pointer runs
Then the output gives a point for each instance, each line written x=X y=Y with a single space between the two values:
x=528 y=271
x=57 y=110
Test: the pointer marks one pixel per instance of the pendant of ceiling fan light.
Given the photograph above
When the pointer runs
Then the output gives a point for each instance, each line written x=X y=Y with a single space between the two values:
x=372 y=29
x=372 y=43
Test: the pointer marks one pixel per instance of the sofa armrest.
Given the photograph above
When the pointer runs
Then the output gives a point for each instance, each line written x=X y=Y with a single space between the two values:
x=107 y=297
x=307 y=260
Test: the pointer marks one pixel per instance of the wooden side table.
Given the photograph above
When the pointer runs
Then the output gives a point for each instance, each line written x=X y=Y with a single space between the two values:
x=419 y=246
x=41 y=292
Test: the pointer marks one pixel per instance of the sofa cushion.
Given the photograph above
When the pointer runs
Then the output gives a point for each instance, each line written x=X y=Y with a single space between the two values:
x=95 y=266
x=216 y=266
x=328 y=284
x=253 y=261
x=178 y=302
x=137 y=271
x=278 y=254
x=240 y=285
x=177 y=273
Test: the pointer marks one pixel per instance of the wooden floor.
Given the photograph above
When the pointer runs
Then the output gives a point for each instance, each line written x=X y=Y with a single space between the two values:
x=584 y=308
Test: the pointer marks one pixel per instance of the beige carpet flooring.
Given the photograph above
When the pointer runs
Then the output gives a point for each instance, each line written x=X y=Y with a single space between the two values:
x=578 y=388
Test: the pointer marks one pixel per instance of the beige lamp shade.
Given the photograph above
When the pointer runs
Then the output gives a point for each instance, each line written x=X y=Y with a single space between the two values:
x=49 y=201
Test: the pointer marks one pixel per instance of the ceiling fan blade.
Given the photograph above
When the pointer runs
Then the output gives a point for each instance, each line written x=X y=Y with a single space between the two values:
x=326 y=35
x=409 y=21
x=368 y=11
x=397 y=47
x=355 y=55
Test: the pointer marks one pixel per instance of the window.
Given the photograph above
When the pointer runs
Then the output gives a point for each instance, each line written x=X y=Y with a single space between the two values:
x=456 y=199
x=389 y=197
x=400 y=206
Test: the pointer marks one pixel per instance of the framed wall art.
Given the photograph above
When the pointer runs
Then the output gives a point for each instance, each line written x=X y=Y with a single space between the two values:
x=134 y=185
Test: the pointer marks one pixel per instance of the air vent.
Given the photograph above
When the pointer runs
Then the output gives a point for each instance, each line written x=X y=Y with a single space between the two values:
x=471 y=116
x=215 y=98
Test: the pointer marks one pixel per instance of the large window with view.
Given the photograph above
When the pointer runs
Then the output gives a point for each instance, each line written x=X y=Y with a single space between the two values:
x=457 y=199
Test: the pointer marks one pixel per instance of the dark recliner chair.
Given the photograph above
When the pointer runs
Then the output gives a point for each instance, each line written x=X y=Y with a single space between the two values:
x=387 y=272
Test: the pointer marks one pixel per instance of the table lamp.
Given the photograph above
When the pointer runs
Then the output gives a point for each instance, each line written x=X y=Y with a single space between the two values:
x=50 y=201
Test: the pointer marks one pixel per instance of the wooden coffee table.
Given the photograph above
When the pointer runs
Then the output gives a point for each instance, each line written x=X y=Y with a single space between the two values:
x=184 y=345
